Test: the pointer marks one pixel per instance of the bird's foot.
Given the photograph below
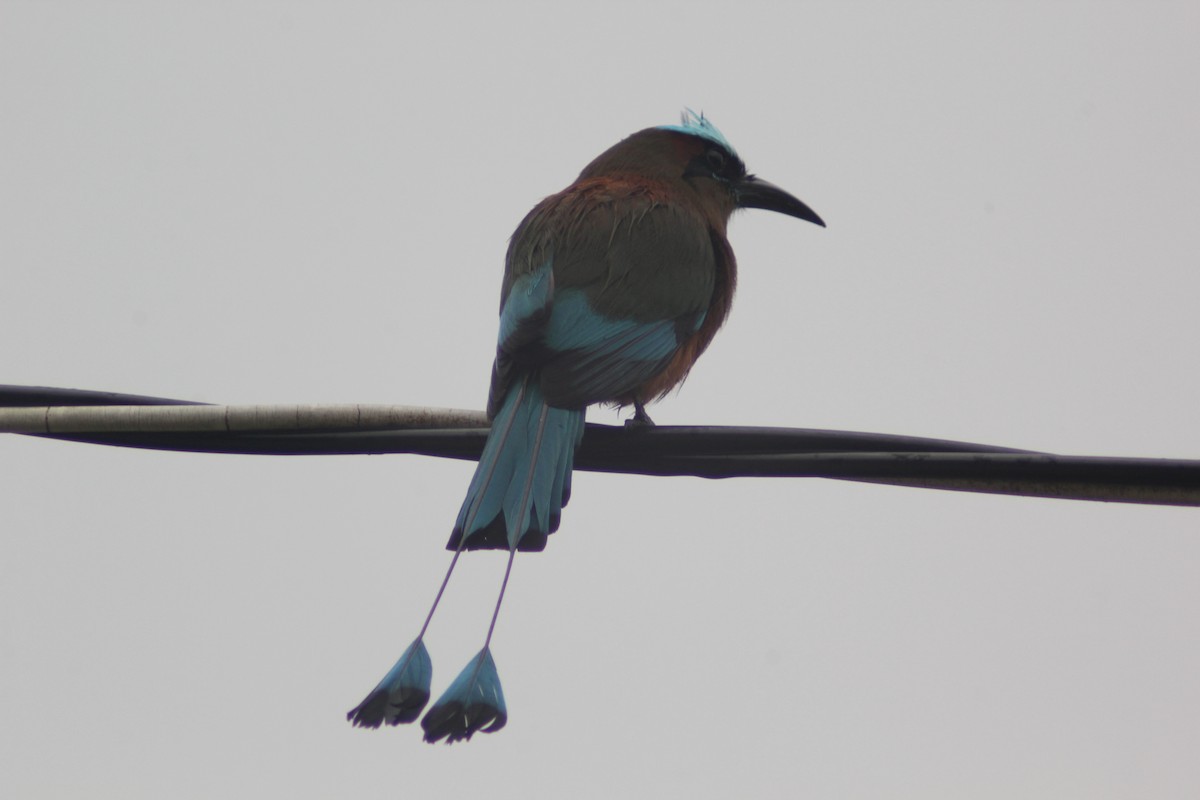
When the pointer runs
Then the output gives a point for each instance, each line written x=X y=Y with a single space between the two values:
x=640 y=418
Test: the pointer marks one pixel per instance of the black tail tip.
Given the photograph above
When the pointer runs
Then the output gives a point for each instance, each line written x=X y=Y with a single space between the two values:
x=494 y=536
x=380 y=707
x=456 y=723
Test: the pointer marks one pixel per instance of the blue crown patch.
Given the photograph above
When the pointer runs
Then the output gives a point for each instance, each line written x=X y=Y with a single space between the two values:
x=698 y=125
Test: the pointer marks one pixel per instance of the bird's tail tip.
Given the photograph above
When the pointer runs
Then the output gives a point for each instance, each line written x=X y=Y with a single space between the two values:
x=401 y=695
x=474 y=703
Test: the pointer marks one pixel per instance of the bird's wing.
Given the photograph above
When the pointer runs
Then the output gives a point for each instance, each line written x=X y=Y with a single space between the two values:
x=595 y=357
x=602 y=288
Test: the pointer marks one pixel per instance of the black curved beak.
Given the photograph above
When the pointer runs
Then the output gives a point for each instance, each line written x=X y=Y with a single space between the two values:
x=754 y=192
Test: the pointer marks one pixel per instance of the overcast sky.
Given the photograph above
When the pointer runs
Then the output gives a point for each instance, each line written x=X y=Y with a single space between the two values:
x=304 y=203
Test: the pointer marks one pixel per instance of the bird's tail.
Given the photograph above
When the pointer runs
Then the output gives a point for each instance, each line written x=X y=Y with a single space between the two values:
x=524 y=475
x=514 y=502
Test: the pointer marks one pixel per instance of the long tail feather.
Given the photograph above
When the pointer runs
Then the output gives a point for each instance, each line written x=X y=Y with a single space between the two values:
x=401 y=694
x=524 y=474
x=473 y=703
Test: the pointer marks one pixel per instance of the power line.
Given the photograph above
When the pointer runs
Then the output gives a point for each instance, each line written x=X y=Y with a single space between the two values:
x=709 y=452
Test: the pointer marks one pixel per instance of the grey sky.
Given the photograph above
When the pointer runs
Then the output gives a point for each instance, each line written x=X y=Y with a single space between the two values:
x=298 y=202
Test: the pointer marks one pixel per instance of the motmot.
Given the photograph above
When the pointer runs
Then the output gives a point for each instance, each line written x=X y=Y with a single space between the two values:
x=612 y=289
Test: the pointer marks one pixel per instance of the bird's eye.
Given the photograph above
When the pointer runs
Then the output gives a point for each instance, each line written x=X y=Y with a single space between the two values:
x=715 y=159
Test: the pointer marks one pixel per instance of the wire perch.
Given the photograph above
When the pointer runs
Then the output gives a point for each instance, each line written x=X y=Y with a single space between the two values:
x=709 y=452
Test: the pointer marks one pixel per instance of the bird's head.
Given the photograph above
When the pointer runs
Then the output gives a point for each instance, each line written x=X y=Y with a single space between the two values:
x=697 y=154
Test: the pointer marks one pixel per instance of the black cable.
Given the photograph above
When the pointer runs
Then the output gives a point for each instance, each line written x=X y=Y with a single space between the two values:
x=710 y=452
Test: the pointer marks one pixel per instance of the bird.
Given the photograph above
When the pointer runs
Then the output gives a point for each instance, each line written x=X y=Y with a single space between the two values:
x=612 y=290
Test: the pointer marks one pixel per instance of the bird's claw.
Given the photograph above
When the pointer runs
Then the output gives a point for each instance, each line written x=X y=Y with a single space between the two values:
x=640 y=418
